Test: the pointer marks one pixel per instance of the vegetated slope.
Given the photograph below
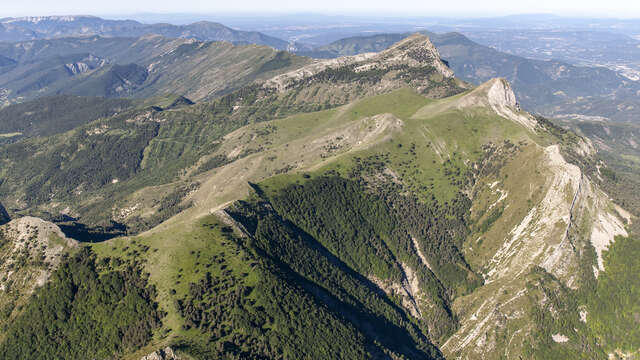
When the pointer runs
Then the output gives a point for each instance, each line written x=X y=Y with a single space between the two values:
x=135 y=67
x=121 y=49
x=553 y=88
x=383 y=223
x=589 y=100
x=379 y=321
x=371 y=187
x=86 y=309
x=109 y=162
x=212 y=31
x=48 y=27
x=355 y=45
x=363 y=339
x=30 y=250
x=48 y=116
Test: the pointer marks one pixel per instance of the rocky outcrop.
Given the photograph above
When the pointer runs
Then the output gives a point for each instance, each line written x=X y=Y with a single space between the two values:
x=498 y=95
x=31 y=249
x=162 y=354
x=85 y=65
x=38 y=239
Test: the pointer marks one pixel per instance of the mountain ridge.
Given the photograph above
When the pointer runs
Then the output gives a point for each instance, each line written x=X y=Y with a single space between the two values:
x=147 y=66
x=410 y=214
x=31 y=28
x=553 y=88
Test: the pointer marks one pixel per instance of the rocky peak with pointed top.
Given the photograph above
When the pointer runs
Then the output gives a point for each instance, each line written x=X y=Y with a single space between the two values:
x=500 y=93
x=503 y=101
x=413 y=61
x=415 y=50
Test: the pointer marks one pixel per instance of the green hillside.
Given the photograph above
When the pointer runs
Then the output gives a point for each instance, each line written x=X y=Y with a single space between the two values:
x=143 y=161
x=370 y=208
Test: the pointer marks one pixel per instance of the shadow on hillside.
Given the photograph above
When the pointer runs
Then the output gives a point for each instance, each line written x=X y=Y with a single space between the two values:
x=83 y=233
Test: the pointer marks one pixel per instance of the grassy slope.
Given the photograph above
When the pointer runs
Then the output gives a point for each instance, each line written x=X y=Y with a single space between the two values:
x=427 y=144
x=156 y=148
x=306 y=141
x=171 y=259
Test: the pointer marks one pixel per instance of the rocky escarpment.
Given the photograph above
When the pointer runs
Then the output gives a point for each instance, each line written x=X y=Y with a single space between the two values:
x=540 y=216
x=85 y=65
x=552 y=217
x=498 y=95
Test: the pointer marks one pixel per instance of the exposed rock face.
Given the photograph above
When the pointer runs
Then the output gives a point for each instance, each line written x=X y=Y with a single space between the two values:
x=500 y=93
x=552 y=216
x=37 y=238
x=497 y=95
x=162 y=354
x=85 y=65
x=570 y=215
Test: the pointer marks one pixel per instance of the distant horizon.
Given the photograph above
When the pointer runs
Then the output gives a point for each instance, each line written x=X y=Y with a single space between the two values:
x=611 y=9
x=208 y=16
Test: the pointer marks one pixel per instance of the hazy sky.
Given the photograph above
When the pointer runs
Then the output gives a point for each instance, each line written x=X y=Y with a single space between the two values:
x=606 y=8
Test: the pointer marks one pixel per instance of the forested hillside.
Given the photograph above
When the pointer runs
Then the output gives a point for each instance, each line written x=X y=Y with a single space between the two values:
x=48 y=116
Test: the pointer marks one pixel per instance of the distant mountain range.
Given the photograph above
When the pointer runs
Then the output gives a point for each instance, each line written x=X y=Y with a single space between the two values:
x=133 y=67
x=114 y=58
x=49 y=27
